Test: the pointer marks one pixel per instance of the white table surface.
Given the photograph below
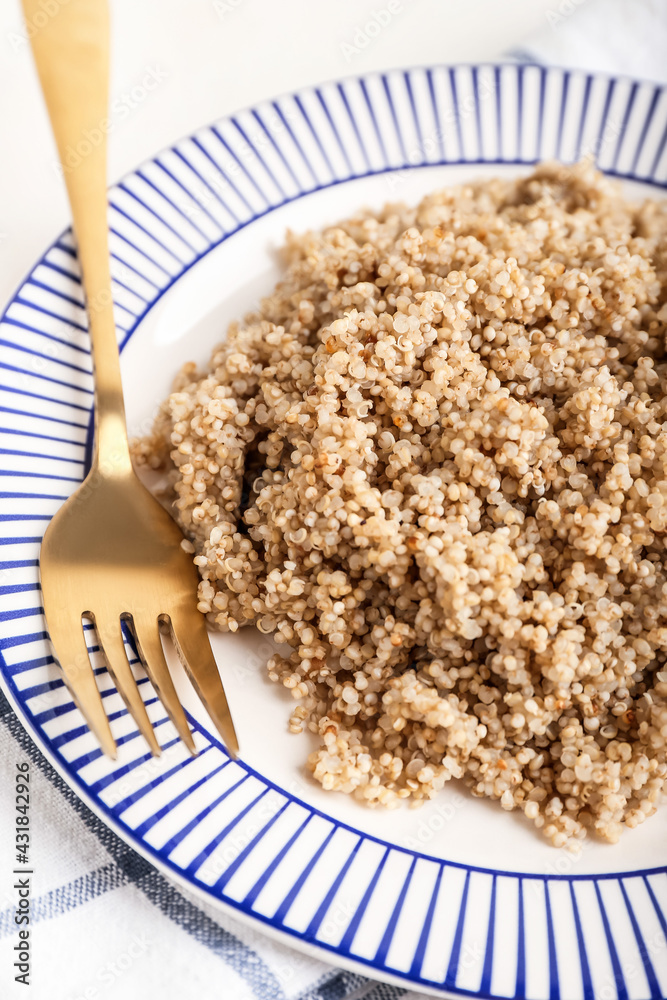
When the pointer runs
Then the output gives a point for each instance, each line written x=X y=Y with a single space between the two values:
x=217 y=56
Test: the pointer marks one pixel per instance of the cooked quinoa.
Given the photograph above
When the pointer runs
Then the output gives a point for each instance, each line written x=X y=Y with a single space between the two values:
x=433 y=465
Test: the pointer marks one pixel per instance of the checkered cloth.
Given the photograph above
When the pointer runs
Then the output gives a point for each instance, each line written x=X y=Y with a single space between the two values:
x=602 y=36
x=106 y=925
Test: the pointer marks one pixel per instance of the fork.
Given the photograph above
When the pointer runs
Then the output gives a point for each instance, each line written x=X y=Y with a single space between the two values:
x=111 y=553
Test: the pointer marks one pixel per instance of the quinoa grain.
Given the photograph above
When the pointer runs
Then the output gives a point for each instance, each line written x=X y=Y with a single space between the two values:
x=434 y=464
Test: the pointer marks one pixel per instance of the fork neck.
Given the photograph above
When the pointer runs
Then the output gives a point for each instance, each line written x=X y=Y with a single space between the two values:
x=111 y=453
x=111 y=456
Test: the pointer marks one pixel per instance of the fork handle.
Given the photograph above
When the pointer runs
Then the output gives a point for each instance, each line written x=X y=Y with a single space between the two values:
x=71 y=53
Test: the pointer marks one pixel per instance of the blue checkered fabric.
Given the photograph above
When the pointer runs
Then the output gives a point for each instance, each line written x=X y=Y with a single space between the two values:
x=105 y=924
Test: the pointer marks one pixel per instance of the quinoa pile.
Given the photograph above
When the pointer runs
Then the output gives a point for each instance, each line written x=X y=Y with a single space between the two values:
x=433 y=465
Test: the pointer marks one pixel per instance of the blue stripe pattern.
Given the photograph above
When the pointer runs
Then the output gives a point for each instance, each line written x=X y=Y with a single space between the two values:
x=167 y=217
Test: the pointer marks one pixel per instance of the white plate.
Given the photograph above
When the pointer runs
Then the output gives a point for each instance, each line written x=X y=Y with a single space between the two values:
x=457 y=897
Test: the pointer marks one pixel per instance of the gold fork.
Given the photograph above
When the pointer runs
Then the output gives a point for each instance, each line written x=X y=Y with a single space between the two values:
x=111 y=553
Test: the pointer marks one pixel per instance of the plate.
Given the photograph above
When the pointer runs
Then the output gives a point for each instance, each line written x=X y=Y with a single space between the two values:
x=457 y=897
